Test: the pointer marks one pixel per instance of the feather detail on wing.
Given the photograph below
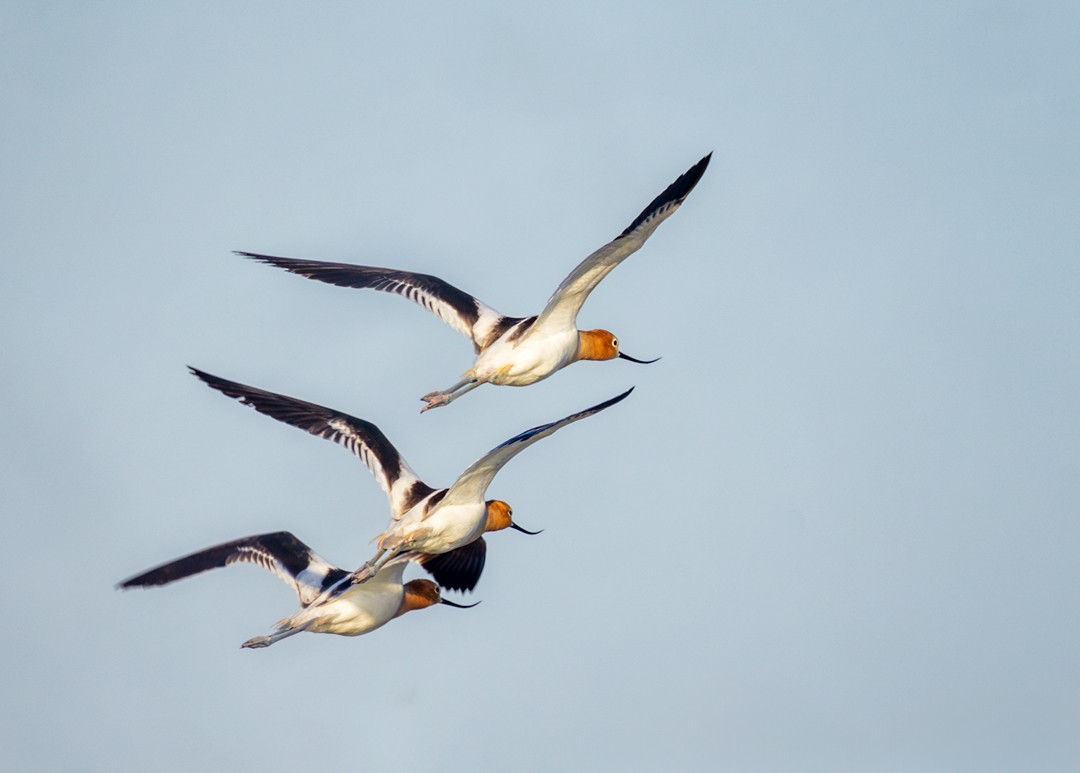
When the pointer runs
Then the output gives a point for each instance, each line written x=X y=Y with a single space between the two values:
x=402 y=486
x=457 y=569
x=280 y=553
x=468 y=315
x=566 y=301
x=471 y=484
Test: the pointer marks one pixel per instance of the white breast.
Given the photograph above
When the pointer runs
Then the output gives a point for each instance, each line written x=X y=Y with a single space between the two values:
x=528 y=359
x=448 y=527
x=360 y=609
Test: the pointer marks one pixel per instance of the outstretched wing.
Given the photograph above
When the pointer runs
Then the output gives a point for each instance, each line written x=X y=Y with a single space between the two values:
x=566 y=301
x=457 y=569
x=402 y=486
x=471 y=484
x=468 y=315
x=280 y=553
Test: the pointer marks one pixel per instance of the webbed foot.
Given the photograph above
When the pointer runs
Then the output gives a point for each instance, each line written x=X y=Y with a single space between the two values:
x=434 y=400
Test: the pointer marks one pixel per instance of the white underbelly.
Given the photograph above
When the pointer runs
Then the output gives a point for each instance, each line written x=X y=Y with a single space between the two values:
x=448 y=527
x=359 y=610
x=453 y=526
x=526 y=361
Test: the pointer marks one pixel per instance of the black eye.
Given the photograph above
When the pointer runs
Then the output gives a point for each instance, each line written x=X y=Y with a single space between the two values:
x=615 y=342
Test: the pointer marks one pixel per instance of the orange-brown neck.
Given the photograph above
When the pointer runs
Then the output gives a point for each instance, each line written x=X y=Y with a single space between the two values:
x=597 y=345
x=499 y=515
x=419 y=594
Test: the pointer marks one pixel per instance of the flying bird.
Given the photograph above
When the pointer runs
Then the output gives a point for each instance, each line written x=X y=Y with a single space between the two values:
x=329 y=602
x=439 y=528
x=512 y=351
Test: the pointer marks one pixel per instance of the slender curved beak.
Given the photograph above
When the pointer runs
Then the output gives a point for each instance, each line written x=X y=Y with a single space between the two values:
x=515 y=527
x=454 y=604
x=639 y=362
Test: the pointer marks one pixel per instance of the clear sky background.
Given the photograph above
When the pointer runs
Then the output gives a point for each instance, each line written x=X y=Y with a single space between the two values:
x=835 y=528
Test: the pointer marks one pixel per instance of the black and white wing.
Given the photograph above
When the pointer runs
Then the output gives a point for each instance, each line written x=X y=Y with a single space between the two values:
x=402 y=486
x=563 y=306
x=472 y=483
x=280 y=553
x=468 y=315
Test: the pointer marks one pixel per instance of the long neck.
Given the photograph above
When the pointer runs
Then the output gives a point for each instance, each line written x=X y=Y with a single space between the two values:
x=409 y=602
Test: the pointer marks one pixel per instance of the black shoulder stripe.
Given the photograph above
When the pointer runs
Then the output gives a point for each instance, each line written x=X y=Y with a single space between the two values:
x=498 y=330
x=416 y=493
x=333 y=577
x=435 y=499
x=521 y=327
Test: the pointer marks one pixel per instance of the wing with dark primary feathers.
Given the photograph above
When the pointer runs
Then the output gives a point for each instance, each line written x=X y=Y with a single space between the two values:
x=402 y=486
x=458 y=569
x=563 y=306
x=466 y=314
x=279 y=552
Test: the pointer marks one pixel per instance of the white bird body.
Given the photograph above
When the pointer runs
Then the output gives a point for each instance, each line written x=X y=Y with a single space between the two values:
x=329 y=601
x=438 y=530
x=520 y=362
x=358 y=610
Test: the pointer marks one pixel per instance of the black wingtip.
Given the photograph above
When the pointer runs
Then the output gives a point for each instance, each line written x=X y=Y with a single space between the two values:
x=270 y=260
x=608 y=403
x=212 y=381
x=674 y=194
x=612 y=401
x=229 y=388
x=151 y=578
x=148 y=579
x=681 y=188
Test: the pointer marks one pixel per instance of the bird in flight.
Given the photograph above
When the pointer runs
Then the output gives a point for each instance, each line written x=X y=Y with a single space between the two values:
x=329 y=602
x=439 y=528
x=512 y=351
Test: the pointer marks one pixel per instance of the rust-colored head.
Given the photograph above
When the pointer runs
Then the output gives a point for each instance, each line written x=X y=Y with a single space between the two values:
x=500 y=516
x=421 y=594
x=603 y=345
x=597 y=345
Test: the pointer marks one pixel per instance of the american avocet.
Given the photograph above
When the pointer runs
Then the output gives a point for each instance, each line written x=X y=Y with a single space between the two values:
x=512 y=351
x=329 y=602
x=440 y=528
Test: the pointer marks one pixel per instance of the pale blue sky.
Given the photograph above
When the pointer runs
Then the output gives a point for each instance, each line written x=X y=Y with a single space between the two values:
x=834 y=529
